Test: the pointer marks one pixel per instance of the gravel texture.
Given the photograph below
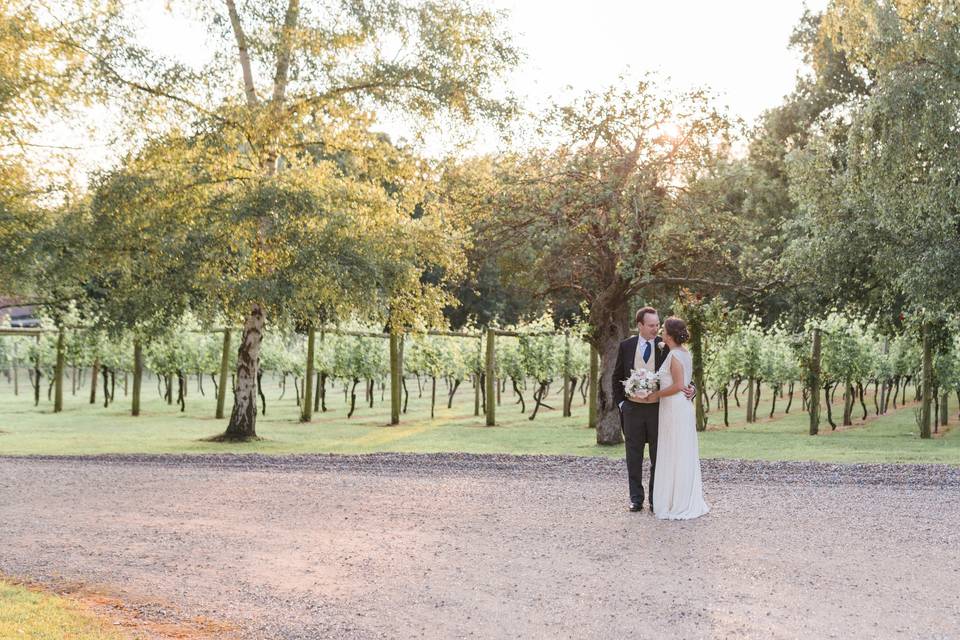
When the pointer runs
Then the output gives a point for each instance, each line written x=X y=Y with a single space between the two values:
x=467 y=546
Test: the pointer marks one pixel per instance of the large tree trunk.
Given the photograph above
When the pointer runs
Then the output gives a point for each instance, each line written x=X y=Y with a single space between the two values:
x=243 y=418
x=611 y=330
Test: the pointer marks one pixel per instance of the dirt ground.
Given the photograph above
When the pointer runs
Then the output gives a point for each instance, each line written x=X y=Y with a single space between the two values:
x=455 y=546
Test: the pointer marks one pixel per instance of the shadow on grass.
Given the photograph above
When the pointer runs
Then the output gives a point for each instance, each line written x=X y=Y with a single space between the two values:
x=222 y=437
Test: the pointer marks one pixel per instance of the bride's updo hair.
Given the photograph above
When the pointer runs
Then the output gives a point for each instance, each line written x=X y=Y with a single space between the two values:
x=676 y=329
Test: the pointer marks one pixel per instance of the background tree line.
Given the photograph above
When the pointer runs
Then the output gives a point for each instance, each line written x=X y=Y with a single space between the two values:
x=257 y=190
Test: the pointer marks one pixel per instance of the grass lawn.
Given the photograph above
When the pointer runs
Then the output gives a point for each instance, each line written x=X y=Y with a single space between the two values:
x=86 y=429
x=25 y=613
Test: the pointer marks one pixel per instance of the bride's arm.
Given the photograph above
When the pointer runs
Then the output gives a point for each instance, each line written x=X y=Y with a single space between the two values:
x=676 y=372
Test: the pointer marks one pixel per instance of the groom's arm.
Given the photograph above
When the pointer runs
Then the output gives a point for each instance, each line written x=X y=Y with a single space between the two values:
x=619 y=395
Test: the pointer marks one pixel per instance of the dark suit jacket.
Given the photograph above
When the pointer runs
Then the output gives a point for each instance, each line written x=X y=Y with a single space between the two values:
x=626 y=355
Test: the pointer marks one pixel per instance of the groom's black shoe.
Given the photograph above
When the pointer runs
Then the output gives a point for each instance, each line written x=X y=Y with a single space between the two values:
x=636 y=506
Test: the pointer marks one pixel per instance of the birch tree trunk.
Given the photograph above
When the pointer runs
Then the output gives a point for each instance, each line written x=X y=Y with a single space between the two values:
x=243 y=418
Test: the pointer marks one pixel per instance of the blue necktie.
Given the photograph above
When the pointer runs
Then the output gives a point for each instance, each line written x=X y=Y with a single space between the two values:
x=646 y=352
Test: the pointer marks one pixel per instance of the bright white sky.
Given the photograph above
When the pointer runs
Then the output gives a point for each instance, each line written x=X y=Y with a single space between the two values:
x=737 y=48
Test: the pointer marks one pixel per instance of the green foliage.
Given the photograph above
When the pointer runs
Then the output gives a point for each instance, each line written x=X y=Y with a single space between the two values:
x=426 y=356
x=880 y=176
x=283 y=353
x=542 y=355
x=739 y=355
x=42 y=79
x=361 y=358
x=779 y=362
x=601 y=216
x=848 y=348
x=509 y=360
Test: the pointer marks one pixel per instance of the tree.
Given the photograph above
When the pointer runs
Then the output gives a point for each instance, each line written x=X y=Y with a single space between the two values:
x=280 y=196
x=884 y=177
x=489 y=294
x=40 y=81
x=612 y=212
x=760 y=185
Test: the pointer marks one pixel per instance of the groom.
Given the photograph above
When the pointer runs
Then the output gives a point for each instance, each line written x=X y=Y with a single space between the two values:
x=638 y=420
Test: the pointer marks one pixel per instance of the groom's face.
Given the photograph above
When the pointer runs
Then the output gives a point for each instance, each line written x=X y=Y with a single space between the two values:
x=649 y=326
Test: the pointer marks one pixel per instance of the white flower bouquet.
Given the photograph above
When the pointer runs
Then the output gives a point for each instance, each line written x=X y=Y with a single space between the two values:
x=641 y=383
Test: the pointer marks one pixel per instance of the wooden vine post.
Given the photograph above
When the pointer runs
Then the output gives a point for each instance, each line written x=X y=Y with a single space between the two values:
x=396 y=378
x=944 y=408
x=306 y=415
x=94 y=374
x=814 y=383
x=224 y=372
x=137 y=375
x=927 y=382
x=566 y=374
x=36 y=376
x=490 y=382
x=16 y=382
x=58 y=373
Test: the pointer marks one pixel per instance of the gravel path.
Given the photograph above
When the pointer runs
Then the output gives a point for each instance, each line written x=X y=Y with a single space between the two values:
x=462 y=546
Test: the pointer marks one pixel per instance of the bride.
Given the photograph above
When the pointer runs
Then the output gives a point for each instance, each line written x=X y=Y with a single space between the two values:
x=678 y=490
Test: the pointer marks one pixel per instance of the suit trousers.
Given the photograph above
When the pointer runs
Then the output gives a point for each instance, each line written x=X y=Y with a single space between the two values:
x=640 y=425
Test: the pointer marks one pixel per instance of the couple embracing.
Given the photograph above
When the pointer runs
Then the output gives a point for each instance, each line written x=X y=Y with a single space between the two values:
x=662 y=418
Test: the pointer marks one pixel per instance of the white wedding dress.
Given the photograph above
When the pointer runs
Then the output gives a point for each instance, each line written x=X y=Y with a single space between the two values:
x=678 y=488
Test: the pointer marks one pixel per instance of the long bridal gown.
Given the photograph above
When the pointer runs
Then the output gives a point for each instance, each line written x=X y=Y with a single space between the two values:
x=678 y=489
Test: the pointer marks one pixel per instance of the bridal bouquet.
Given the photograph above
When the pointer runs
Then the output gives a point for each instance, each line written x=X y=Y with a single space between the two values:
x=641 y=383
